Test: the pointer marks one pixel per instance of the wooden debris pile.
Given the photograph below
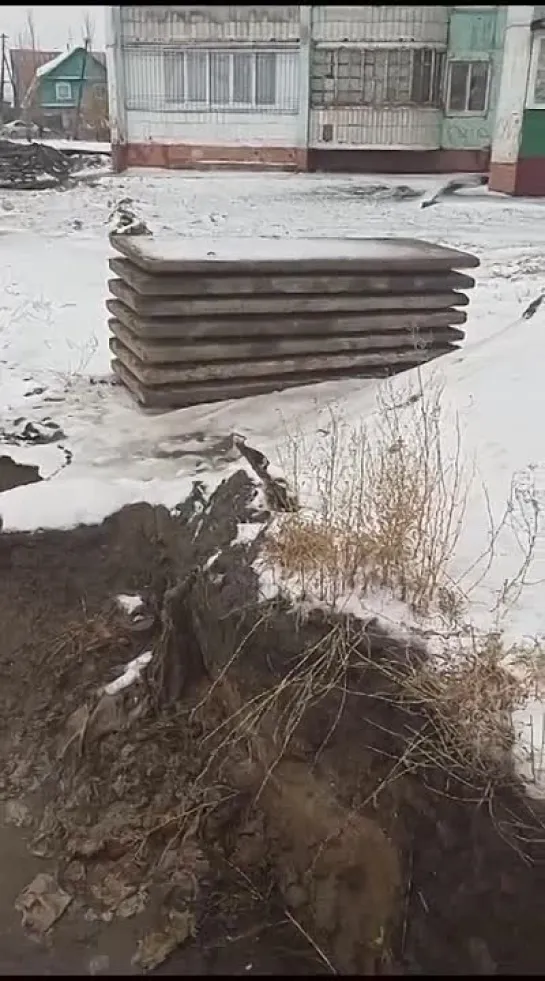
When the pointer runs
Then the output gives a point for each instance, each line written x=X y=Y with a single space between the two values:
x=32 y=166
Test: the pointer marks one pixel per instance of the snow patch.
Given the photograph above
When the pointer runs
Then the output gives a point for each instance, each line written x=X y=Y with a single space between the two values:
x=247 y=532
x=129 y=603
x=79 y=146
x=131 y=674
x=269 y=584
x=212 y=560
x=70 y=501
x=90 y=173
x=529 y=751
x=54 y=63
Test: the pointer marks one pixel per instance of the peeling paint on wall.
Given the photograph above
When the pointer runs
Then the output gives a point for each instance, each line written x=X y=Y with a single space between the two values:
x=163 y=25
x=377 y=72
x=372 y=23
x=371 y=128
x=291 y=77
x=474 y=36
x=240 y=86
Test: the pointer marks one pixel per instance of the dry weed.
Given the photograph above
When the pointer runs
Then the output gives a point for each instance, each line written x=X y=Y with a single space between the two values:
x=278 y=710
x=462 y=709
x=470 y=701
x=388 y=505
x=388 y=501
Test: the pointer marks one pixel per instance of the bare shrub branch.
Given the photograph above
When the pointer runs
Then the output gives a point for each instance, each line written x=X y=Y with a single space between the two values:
x=387 y=505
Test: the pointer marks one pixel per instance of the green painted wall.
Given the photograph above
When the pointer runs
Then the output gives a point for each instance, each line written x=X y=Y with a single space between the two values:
x=71 y=70
x=474 y=34
x=532 y=140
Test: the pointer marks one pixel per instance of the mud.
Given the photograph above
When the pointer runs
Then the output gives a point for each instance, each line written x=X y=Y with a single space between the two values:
x=14 y=474
x=62 y=640
x=290 y=844
x=468 y=861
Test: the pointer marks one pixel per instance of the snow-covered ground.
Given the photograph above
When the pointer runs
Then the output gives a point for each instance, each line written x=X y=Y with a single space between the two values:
x=77 y=146
x=53 y=333
x=54 y=359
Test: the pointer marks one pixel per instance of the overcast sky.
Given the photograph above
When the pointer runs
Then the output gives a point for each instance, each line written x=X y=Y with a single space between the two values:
x=56 y=26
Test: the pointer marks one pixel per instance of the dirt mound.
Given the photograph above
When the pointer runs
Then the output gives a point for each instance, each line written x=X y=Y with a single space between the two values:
x=447 y=864
x=260 y=794
x=31 y=166
x=104 y=794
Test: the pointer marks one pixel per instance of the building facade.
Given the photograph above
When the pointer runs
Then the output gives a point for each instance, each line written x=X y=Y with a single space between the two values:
x=206 y=86
x=364 y=88
x=375 y=93
x=518 y=147
x=471 y=85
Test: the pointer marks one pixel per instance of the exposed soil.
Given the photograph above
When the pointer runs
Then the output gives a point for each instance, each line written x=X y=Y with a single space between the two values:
x=14 y=474
x=170 y=826
x=64 y=638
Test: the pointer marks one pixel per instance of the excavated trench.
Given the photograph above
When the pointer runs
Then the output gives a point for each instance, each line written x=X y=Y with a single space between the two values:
x=218 y=815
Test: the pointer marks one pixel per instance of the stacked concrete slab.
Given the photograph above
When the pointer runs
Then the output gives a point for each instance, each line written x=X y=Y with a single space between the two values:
x=199 y=320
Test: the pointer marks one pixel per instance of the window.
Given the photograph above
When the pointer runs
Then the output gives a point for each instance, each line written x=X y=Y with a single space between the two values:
x=100 y=90
x=244 y=80
x=467 y=88
x=63 y=91
x=377 y=76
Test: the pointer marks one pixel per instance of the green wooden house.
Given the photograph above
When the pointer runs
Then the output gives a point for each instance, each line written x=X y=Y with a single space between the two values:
x=70 y=92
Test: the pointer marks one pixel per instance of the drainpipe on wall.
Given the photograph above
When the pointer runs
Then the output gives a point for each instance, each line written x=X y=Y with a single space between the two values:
x=116 y=89
x=303 y=123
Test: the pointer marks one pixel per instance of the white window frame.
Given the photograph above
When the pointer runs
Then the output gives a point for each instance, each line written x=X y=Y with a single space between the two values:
x=58 y=96
x=207 y=105
x=537 y=43
x=475 y=60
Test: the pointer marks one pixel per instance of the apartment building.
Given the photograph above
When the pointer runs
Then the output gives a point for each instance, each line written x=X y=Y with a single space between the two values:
x=361 y=88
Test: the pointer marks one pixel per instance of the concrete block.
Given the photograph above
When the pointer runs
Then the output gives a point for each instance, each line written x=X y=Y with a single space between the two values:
x=237 y=305
x=176 y=374
x=188 y=350
x=197 y=320
x=252 y=256
x=166 y=397
x=178 y=284
x=383 y=316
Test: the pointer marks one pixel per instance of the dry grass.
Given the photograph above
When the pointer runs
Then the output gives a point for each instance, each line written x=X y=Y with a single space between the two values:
x=456 y=720
x=470 y=702
x=387 y=505
x=454 y=723
x=276 y=712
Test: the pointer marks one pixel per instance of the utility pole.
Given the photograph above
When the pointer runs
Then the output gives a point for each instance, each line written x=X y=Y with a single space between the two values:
x=3 y=39
x=77 y=118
